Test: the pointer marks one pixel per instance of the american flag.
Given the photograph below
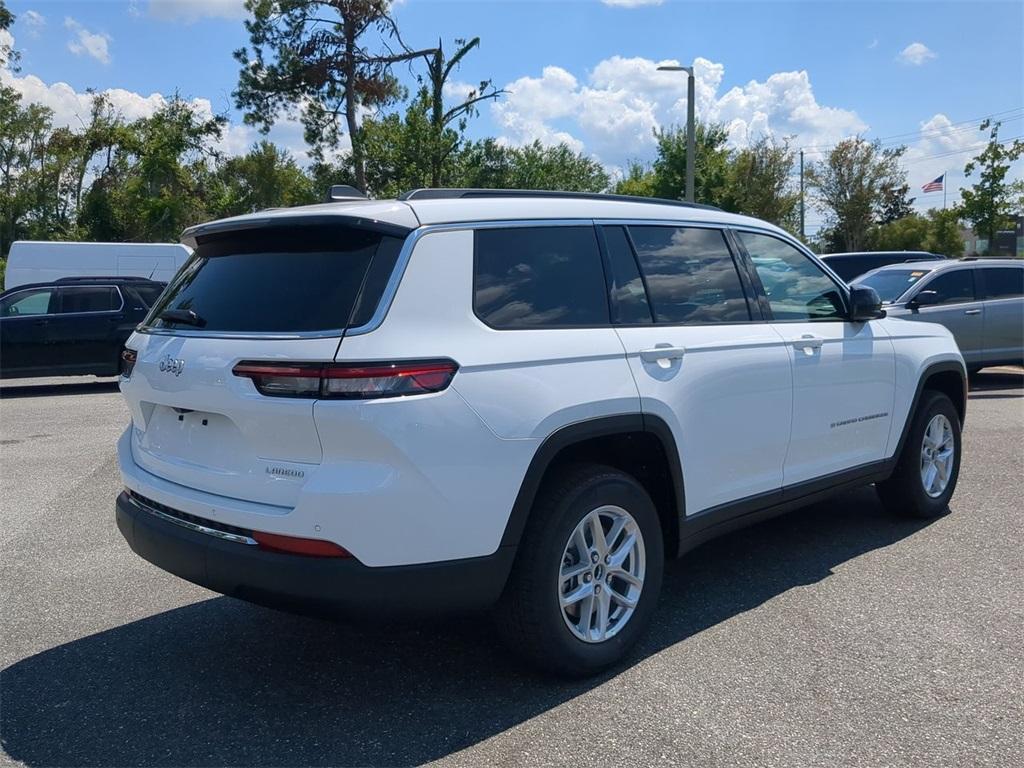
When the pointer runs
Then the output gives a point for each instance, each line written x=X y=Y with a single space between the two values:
x=935 y=185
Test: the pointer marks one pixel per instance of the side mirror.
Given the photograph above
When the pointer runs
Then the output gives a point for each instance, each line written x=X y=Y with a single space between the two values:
x=865 y=304
x=924 y=299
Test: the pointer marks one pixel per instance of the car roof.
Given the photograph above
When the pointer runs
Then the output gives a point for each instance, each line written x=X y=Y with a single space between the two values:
x=860 y=254
x=948 y=264
x=79 y=282
x=523 y=206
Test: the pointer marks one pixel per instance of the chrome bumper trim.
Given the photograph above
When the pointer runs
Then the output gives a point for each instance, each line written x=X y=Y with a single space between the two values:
x=238 y=539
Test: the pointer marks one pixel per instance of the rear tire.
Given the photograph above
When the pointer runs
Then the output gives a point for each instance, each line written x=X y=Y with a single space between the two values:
x=577 y=601
x=928 y=468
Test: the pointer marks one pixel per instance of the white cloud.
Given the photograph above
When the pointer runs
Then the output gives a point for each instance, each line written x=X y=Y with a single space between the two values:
x=33 y=19
x=916 y=54
x=6 y=46
x=456 y=91
x=631 y=3
x=71 y=108
x=873 y=44
x=189 y=11
x=615 y=112
x=84 y=42
x=942 y=148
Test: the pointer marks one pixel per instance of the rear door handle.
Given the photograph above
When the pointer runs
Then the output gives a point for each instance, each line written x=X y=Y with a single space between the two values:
x=808 y=343
x=666 y=352
x=972 y=311
x=42 y=322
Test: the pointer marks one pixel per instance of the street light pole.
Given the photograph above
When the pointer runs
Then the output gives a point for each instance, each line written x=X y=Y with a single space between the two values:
x=691 y=131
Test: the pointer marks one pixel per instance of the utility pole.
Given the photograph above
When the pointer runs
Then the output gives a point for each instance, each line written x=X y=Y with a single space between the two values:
x=802 y=195
x=691 y=128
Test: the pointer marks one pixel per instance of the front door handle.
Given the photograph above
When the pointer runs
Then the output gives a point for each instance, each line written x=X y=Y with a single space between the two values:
x=808 y=343
x=972 y=311
x=666 y=352
x=42 y=322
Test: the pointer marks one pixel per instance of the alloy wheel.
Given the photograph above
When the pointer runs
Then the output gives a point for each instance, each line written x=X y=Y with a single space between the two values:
x=602 y=574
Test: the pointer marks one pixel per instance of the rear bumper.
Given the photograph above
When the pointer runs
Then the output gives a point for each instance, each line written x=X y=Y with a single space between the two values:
x=317 y=585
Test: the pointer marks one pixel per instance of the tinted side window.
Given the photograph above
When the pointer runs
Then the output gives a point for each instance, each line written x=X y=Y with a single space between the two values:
x=532 y=277
x=796 y=287
x=35 y=302
x=953 y=287
x=99 y=299
x=629 y=296
x=850 y=268
x=1003 y=282
x=690 y=274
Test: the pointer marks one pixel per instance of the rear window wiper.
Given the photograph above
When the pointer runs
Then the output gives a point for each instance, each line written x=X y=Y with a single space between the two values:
x=183 y=316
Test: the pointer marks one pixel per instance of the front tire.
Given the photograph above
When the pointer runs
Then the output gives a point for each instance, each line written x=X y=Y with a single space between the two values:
x=928 y=468
x=587 y=576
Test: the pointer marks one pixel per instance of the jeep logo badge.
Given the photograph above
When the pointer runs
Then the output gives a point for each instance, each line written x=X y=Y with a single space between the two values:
x=169 y=364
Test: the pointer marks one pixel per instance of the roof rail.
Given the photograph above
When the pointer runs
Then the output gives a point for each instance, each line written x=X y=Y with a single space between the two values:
x=459 y=193
x=94 y=278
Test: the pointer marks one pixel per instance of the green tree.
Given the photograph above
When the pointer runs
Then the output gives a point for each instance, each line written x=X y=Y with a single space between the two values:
x=8 y=56
x=489 y=164
x=907 y=233
x=264 y=177
x=448 y=125
x=25 y=132
x=944 y=233
x=895 y=203
x=638 y=181
x=988 y=206
x=759 y=183
x=312 y=57
x=850 y=185
x=157 y=179
x=711 y=170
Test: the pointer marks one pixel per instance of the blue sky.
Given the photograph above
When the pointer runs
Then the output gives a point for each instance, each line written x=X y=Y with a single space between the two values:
x=582 y=71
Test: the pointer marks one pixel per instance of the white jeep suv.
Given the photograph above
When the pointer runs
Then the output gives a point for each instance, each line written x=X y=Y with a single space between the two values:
x=527 y=400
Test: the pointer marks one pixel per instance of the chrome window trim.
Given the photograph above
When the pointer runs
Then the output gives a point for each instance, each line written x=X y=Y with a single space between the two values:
x=58 y=289
x=234 y=537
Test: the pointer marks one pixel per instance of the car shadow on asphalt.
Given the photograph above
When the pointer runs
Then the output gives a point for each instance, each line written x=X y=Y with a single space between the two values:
x=1009 y=383
x=11 y=391
x=222 y=682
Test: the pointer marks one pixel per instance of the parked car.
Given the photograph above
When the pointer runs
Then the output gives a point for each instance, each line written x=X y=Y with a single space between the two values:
x=850 y=266
x=71 y=327
x=31 y=262
x=980 y=300
x=465 y=399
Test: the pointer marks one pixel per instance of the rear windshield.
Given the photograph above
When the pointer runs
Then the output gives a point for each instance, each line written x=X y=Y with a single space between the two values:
x=892 y=283
x=148 y=293
x=282 y=280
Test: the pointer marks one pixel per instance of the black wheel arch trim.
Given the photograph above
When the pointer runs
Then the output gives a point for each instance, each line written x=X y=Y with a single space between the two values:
x=579 y=432
x=943 y=366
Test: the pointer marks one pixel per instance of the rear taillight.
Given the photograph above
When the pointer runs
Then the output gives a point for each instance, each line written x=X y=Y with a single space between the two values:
x=346 y=381
x=128 y=358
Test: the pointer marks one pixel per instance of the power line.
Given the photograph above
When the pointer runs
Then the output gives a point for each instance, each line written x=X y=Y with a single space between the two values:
x=968 y=124
x=951 y=153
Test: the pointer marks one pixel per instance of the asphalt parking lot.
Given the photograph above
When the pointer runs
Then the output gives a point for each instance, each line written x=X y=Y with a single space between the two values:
x=837 y=635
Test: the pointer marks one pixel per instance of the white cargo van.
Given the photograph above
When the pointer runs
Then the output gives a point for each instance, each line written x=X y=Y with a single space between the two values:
x=44 y=262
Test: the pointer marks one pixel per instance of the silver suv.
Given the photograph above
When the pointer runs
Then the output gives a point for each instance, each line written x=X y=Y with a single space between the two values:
x=980 y=301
